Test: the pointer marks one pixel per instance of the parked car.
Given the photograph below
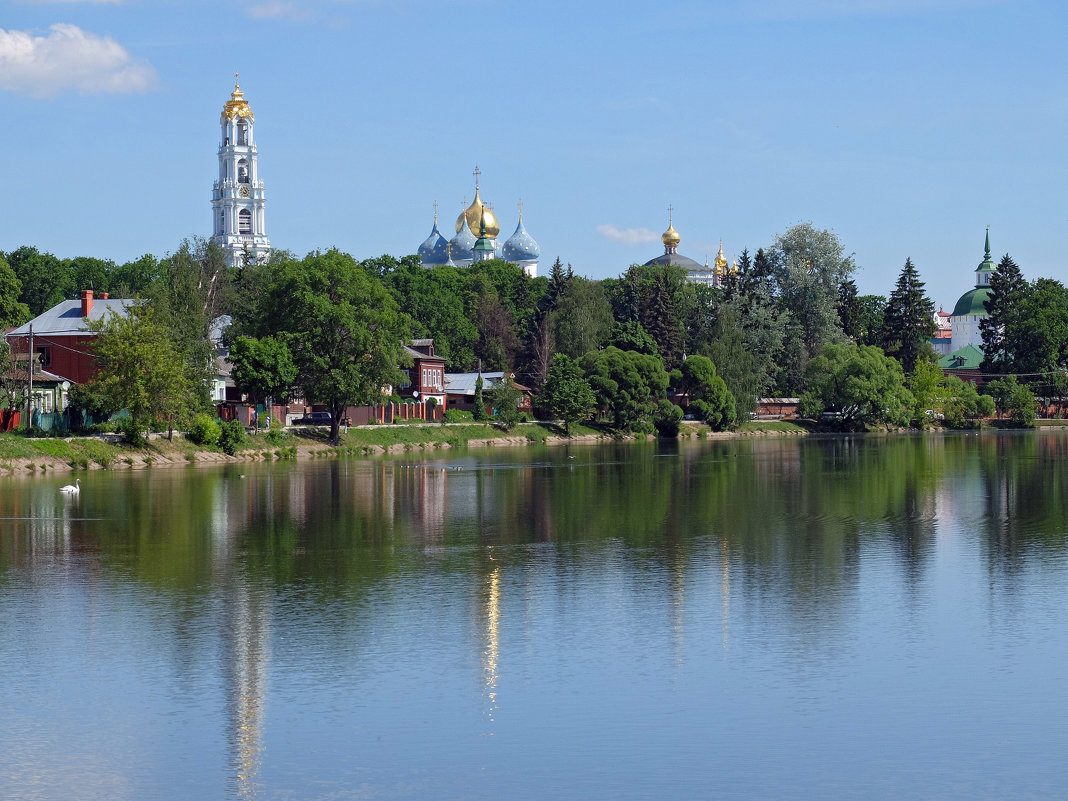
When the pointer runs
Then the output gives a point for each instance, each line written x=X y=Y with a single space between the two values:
x=314 y=419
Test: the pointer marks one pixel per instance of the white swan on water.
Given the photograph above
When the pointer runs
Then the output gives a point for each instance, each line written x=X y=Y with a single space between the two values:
x=70 y=489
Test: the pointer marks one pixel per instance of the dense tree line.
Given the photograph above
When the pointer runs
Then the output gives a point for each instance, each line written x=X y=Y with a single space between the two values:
x=788 y=321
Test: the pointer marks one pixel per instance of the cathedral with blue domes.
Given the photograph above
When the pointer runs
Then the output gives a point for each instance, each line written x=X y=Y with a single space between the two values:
x=476 y=239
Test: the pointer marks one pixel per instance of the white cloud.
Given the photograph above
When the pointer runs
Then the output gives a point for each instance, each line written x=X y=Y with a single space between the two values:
x=628 y=236
x=69 y=58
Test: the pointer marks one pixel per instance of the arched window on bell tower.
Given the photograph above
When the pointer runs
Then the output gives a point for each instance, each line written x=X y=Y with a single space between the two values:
x=242 y=132
x=242 y=171
x=244 y=221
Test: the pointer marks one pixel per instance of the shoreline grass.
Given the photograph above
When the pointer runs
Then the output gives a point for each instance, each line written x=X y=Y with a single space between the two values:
x=20 y=453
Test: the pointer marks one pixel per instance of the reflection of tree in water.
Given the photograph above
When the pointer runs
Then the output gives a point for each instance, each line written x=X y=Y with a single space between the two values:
x=1024 y=490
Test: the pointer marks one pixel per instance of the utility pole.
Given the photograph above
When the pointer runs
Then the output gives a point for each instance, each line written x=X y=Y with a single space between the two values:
x=29 y=393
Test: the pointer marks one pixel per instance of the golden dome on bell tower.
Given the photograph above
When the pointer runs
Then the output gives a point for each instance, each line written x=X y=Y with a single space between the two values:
x=237 y=106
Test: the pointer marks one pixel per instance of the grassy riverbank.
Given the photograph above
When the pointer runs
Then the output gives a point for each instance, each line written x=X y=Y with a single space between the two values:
x=20 y=454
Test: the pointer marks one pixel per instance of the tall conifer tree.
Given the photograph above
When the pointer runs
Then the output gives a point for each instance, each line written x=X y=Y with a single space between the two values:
x=999 y=327
x=909 y=321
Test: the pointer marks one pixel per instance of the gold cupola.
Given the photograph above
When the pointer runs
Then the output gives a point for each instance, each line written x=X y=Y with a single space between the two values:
x=721 y=260
x=237 y=106
x=671 y=237
x=477 y=213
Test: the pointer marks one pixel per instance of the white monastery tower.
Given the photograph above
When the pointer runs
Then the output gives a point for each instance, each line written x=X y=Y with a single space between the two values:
x=237 y=195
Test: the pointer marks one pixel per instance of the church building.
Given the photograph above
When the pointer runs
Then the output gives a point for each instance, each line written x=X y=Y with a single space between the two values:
x=237 y=195
x=695 y=272
x=476 y=239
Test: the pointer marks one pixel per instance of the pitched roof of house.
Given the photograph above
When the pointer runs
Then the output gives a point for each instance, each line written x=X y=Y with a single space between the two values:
x=464 y=383
x=418 y=354
x=967 y=358
x=66 y=317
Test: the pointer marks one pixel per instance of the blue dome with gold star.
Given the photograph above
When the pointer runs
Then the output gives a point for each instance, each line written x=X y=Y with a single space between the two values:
x=521 y=246
x=462 y=245
x=435 y=250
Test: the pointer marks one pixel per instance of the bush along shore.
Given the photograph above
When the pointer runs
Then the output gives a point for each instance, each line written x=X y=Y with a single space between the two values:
x=24 y=455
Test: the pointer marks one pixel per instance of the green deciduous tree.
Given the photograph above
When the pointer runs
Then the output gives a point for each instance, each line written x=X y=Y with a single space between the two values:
x=709 y=396
x=909 y=320
x=809 y=266
x=631 y=335
x=140 y=368
x=962 y=405
x=582 y=320
x=627 y=384
x=264 y=368
x=13 y=312
x=859 y=384
x=1012 y=398
x=505 y=397
x=567 y=395
x=343 y=330
x=45 y=279
x=1038 y=337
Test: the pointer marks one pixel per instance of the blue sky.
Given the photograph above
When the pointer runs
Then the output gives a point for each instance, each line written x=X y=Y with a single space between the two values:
x=906 y=126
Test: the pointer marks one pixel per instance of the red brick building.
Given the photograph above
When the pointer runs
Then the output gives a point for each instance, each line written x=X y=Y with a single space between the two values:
x=61 y=338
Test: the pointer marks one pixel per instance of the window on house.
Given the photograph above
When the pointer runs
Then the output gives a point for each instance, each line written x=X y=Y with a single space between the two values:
x=44 y=357
x=244 y=221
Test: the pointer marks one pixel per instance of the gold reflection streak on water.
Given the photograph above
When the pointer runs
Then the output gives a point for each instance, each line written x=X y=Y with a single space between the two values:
x=491 y=649
x=249 y=679
x=725 y=591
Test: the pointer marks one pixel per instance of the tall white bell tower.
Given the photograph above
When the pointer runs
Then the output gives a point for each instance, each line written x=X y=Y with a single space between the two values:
x=237 y=195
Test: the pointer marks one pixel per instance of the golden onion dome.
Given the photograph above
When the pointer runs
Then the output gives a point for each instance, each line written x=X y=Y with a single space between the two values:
x=474 y=216
x=237 y=106
x=671 y=236
x=721 y=260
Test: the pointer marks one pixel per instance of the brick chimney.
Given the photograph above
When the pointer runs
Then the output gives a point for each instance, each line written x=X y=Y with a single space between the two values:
x=103 y=295
x=87 y=302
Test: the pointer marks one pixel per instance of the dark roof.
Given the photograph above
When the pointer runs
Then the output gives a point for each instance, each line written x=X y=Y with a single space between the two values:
x=418 y=354
x=674 y=260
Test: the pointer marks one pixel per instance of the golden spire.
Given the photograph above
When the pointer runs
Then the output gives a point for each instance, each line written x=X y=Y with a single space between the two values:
x=237 y=106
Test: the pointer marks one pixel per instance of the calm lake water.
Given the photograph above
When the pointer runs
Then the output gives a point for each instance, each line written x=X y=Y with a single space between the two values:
x=778 y=618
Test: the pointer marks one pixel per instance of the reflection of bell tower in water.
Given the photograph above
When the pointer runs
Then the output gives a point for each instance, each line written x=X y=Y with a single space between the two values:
x=245 y=617
x=237 y=196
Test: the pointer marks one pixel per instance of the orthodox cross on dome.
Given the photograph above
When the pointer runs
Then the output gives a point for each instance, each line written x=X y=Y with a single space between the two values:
x=670 y=210
x=236 y=76
x=520 y=209
x=435 y=212
x=476 y=173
